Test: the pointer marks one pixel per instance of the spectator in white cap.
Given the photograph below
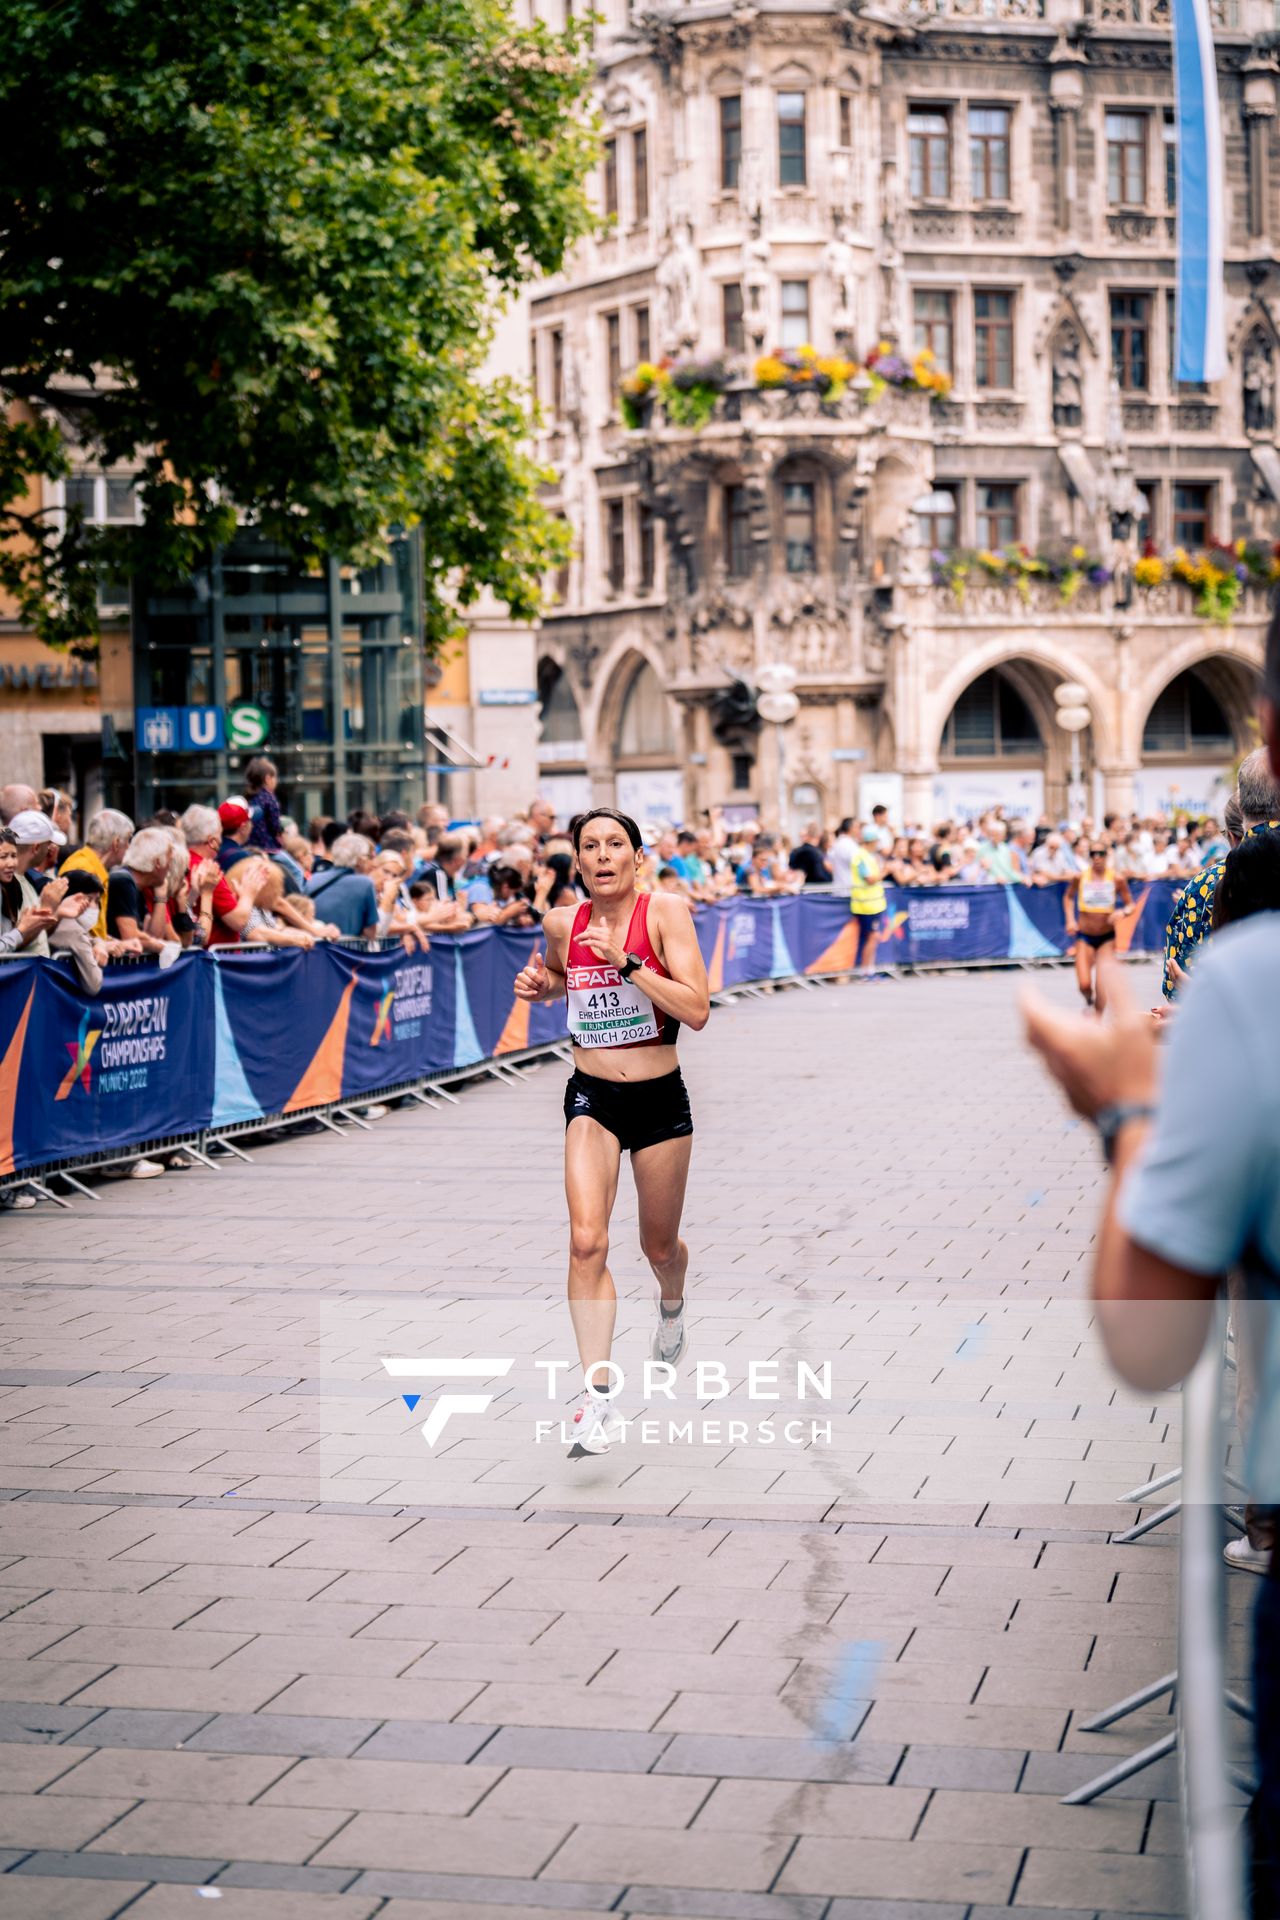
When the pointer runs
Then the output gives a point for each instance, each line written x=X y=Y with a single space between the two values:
x=37 y=837
x=24 y=920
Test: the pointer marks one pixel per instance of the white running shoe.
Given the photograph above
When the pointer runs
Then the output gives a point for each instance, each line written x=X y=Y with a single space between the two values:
x=1239 y=1554
x=592 y=1424
x=668 y=1336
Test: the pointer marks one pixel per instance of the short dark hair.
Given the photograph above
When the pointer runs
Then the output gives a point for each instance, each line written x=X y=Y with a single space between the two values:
x=667 y=873
x=624 y=820
x=317 y=824
x=397 y=840
x=1250 y=880
x=80 y=880
x=419 y=889
x=331 y=830
x=395 y=822
x=846 y=825
x=880 y=809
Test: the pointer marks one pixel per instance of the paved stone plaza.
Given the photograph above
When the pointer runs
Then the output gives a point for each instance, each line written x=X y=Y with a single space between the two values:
x=262 y=1643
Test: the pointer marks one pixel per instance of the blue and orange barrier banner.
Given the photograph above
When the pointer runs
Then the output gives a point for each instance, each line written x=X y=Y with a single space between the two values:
x=216 y=1041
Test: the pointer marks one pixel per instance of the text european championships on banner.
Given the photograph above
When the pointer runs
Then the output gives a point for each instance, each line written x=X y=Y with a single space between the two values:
x=217 y=1041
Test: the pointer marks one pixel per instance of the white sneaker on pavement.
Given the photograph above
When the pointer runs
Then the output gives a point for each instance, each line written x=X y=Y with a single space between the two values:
x=1239 y=1554
x=145 y=1170
x=668 y=1336
x=593 y=1425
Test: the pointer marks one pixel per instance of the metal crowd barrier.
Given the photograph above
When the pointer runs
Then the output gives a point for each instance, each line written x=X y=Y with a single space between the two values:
x=1208 y=1781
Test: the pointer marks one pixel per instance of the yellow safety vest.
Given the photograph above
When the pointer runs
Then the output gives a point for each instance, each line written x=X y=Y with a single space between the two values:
x=867 y=895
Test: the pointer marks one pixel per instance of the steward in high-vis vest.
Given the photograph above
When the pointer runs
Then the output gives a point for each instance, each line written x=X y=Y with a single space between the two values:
x=867 y=889
x=866 y=903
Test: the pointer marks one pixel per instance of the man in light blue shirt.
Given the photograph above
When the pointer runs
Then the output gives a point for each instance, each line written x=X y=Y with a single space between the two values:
x=1197 y=1193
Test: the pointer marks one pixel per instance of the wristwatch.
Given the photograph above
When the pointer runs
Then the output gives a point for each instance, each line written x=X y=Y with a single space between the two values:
x=1109 y=1121
x=630 y=965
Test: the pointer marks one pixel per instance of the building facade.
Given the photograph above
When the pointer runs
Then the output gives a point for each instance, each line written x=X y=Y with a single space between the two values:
x=993 y=182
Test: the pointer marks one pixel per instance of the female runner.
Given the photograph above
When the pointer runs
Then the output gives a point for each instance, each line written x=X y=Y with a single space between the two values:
x=1093 y=902
x=631 y=968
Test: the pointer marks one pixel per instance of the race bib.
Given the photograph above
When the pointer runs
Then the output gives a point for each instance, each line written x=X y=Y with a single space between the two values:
x=1097 y=896
x=607 y=1011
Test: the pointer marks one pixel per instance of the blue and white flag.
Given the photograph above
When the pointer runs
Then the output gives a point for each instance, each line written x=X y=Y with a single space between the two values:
x=1202 y=341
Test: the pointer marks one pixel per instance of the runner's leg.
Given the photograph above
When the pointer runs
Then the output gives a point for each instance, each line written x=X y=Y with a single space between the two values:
x=1084 y=968
x=592 y=1156
x=661 y=1174
x=1101 y=977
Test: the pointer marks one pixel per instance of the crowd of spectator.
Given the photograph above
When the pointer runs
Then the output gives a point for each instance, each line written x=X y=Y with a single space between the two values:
x=247 y=873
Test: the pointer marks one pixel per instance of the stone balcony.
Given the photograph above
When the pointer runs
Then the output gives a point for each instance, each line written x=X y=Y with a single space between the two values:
x=1228 y=16
x=1039 y=603
x=787 y=414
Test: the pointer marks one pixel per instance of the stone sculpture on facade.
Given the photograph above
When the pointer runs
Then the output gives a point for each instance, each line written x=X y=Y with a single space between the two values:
x=677 y=279
x=840 y=264
x=1068 y=380
x=1258 y=380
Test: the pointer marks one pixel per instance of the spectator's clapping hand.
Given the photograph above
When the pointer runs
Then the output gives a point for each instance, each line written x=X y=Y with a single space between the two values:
x=1101 y=1063
x=35 y=920
x=55 y=893
x=69 y=908
x=206 y=876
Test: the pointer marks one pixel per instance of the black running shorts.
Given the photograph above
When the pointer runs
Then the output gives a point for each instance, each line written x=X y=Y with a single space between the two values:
x=638 y=1113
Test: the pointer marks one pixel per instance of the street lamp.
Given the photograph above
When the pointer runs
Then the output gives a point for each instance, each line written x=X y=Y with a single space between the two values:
x=778 y=704
x=1071 y=711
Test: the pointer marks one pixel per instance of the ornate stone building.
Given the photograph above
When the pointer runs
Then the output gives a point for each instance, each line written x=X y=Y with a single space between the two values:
x=995 y=181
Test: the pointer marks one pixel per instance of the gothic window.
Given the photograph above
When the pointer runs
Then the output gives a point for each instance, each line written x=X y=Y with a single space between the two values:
x=934 y=317
x=929 y=144
x=1187 y=719
x=648 y=548
x=1126 y=159
x=799 y=526
x=737 y=533
x=989 y=153
x=639 y=176
x=1192 y=512
x=735 y=338
x=1131 y=341
x=611 y=177
x=730 y=141
x=990 y=721
x=993 y=340
x=1170 y=133
x=641 y=324
x=792 y=159
x=558 y=710
x=794 y=331
x=938 y=516
x=644 y=727
x=999 y=514
x=615 y=544
x=613 y=353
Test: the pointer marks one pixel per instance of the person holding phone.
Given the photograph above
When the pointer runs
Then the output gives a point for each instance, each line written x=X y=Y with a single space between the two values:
x=631 y=968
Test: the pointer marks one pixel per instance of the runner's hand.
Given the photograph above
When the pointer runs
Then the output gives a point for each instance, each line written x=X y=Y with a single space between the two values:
x=606 y=950
x=532 y=981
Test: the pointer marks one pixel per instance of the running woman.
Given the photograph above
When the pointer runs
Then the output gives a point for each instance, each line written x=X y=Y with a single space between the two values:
x=1094 y=901
x=631 y=968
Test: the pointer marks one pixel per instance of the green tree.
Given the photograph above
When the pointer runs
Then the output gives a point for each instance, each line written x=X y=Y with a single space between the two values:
x=257 y=250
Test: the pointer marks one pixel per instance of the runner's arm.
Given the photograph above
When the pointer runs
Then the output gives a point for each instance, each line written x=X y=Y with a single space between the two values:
x=1069 y=906
x=686 y=995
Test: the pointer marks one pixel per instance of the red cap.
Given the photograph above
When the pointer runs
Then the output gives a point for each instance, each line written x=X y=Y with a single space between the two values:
x=232 y=814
